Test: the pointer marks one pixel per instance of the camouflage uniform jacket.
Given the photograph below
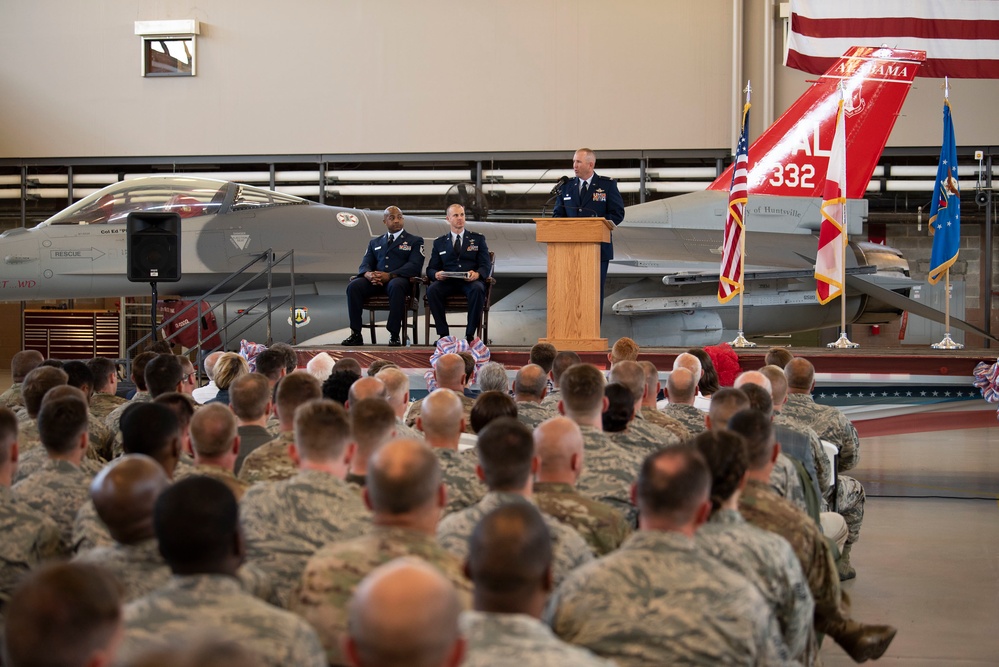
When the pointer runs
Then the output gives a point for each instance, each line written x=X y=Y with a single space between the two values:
x=29 y=538
x=637 y=440
x=762 y=507
x=89 y=532
x=415 y=409
x=12 y=398
x=403 y=431
x=658 y=600
x=829 y=423
x=823 y=467
x=270 y=463
x=609 y=470
x=518 y=640
x=464 y=488
x=29 y=439
x=216 y=606
x=787 y=483
x=286 y=522
x=687 y=415
x=57 y=490
x=569 y=549
x=34 y=459
x=532 y=414
x=139 y=568
x=551 y=399
x=602 y=526
x=237 y=486
x=101 y=405
x=650 y=414
x=769 y=563
x=662 y=436
x=334 y=572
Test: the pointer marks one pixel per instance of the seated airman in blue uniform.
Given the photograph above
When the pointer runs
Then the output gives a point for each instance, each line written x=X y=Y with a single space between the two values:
x=458 y=251
x=391 y=260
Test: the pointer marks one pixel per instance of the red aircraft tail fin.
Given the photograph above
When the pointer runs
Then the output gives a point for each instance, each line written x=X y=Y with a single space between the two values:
x=791 y=156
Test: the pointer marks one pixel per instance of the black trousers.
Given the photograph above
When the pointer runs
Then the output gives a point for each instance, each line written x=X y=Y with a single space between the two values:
x=474 y=291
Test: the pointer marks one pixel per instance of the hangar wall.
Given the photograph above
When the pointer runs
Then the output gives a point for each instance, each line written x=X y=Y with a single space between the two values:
x=343 y=76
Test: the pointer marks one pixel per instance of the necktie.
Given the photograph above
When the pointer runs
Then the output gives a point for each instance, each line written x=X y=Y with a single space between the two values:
x=456 y=248
x=391 y=240
x=582 y=192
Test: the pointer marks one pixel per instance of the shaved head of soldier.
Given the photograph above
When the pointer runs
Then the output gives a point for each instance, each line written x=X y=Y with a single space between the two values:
x=404 y=614
x=681 y=386
x=800 y=375
x=36 y=383
x=725 y=403
x=563 y=360
x=449 y=371
x=372 y=424
x=293 y=390
x=582 y=388
x=753 y=377
x=543 y=354
x=322 y=434
x=631 y=375
x=673 y=491
x=506 y=451
x=404 y=486
x=64 y=615
x=441 y=417
x=690 y=362
x=396 y=388
x=24 y=362
x=530 y=384
x=163 y=373
x=250 y=397
x=213 y=434
x=651 y=382
x=154 y=430
x=758 y=432
x=510 y=561
x=197 y=527
x=558 y=444
x=778 y=356
x=778 y=385
x=124 y=494
x=62 y=425
x=366 y=387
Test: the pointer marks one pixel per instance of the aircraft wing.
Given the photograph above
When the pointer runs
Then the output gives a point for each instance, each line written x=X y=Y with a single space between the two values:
x=858 y=283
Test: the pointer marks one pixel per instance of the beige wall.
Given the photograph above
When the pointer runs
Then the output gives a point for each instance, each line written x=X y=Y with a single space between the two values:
x=398 y=76
x=368 y=76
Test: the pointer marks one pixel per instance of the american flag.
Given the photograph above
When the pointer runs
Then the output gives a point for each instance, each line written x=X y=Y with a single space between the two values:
x=960 y=37
x=730 y=279
x=830 y=272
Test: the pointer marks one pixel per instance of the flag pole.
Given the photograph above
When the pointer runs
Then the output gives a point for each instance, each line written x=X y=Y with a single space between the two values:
x=843 y=342
x=947 y=343
x=740 y=339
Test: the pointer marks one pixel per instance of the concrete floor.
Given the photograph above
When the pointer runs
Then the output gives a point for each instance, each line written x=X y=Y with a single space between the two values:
x=929 y=565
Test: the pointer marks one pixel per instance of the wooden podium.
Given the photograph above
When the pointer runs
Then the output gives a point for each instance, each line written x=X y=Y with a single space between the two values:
x=574 y=281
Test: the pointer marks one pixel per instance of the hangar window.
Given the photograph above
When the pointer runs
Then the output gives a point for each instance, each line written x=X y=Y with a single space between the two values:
x=169 y=48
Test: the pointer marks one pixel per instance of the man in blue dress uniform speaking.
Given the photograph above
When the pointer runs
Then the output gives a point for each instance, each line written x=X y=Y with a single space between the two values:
x=391 y=260
x=590 y=195
x=458 y=251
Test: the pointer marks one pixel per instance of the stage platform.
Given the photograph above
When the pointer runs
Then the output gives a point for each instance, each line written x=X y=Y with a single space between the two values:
x=883 y=390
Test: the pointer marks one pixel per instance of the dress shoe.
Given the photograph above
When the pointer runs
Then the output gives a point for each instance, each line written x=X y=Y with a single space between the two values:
x=395 y=341
x=865 y=642
x=354 y=339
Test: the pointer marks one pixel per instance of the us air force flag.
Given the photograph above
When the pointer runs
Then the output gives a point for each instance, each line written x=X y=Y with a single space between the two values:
x=945 y=212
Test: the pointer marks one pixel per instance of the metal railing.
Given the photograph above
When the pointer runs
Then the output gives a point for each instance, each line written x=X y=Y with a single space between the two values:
x=266 y=263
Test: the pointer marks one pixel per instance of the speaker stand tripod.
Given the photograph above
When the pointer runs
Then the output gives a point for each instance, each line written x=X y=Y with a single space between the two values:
x=152 y=317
